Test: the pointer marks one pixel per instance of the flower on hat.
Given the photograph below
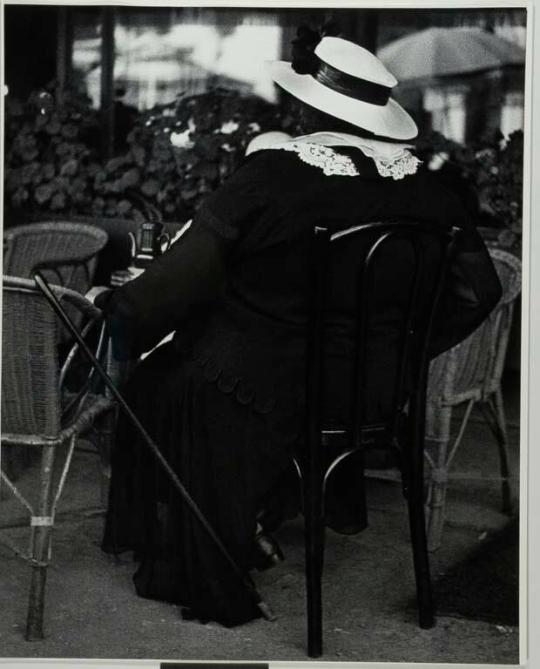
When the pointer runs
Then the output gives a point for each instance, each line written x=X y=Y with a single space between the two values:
x=304 y=60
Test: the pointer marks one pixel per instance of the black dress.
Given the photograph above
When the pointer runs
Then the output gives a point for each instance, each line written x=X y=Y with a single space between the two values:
x=224 y=399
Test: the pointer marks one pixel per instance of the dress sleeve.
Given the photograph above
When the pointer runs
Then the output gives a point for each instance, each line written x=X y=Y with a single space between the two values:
x=191 y=273
x=235 y=209
x=140 y=313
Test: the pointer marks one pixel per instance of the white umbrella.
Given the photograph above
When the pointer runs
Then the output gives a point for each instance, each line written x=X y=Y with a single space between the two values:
x=437 y=52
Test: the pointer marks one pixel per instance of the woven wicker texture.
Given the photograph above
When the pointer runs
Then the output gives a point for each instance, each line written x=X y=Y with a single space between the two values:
x=470 y=374
x=63 y=243
x=30 y=369
x=30 y=365
x=33 y=414
x=27 y=245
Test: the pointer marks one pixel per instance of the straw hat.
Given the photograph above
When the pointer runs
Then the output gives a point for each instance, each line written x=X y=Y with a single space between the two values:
x=345 y=80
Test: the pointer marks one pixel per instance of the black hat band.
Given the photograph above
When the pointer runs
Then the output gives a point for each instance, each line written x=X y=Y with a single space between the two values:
x=353 y=87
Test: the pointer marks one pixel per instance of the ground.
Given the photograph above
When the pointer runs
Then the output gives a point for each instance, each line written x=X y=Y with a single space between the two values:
x=369 y=614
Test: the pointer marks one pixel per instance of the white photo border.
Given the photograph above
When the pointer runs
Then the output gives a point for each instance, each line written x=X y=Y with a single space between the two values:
x=530 y=343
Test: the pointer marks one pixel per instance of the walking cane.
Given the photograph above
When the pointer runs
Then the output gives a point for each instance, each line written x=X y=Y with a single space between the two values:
x=244 y=579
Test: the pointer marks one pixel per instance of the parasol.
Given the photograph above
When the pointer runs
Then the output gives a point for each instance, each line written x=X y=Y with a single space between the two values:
x=437 y=52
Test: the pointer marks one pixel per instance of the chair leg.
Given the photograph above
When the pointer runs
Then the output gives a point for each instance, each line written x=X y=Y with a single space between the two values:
x=426 y=609
x=42 y=526
x=437 y=495
x=417 y=518
x=440 y=466
x=436 y=517
x=504 y=457
x=314 y=547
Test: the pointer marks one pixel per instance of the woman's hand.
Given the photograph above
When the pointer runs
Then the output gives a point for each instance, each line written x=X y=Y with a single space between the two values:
x=121 y=327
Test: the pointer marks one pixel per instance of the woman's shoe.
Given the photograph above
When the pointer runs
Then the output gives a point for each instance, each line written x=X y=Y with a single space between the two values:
x=266 y=550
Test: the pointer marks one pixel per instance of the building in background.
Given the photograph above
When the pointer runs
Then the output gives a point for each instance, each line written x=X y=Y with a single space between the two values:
x=161 y=54
x=130 y=59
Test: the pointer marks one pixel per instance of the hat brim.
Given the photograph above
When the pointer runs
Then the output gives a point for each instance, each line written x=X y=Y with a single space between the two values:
x=390 y=120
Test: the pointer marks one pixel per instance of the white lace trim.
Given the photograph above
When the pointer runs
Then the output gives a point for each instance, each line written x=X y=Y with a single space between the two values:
x=323 y=157
x=333 y=163
x=399 y=168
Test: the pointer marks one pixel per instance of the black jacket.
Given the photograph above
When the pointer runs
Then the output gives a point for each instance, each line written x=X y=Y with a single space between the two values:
x=235 y=288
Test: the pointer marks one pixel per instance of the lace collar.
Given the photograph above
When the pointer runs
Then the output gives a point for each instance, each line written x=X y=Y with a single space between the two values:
x=391 y=160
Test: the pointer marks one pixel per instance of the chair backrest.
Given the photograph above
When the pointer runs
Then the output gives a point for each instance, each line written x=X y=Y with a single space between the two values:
x=391 y=275
x=71 y=248
x=509 y=270
x=475 y=366
x=31 y=403
x=74 y=247
x=117 y=254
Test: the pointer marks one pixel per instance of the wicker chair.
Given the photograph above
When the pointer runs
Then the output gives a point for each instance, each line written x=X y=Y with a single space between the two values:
x=470 y=374
x=27 y=245
x=38 y=412
x=63 y=242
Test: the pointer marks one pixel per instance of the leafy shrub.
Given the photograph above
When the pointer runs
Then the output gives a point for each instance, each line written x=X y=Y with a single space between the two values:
x=494 y=170
x=499 y=178
x=176 y=154
x=181 y=151
x=50 y=153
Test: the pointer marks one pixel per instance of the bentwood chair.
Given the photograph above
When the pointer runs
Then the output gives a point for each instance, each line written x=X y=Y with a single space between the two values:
x=401 y=426
x=38 y=412
x=468 y=375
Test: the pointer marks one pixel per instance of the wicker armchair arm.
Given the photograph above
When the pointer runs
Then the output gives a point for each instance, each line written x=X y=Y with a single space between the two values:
x=93 y=316
x=34 y=382
x=72 y=297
